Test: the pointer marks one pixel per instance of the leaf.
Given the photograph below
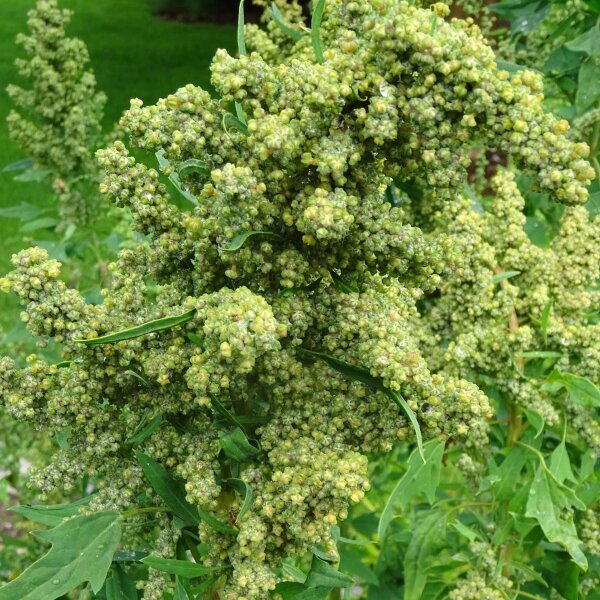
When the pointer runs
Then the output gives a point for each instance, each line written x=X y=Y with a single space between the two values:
x=280 y=22
x=241 y=39
x=245 y=491
x=536 y=420
x=193 y=165
x=231 y=120
x=236 y=446
x=560 y=465
x=509 y=473
x=505 y=275
x=322 y=574
x=420 y=478
x=364 y=376
x=140 y=330
x=351 y=562
x=31 y=175
x=215 y=523
x=544 y=504
x=82 y=550
x=146 y=432
x=475 y=201
x=541 y=354
x=41 y=223
x=169 y=489
x=428 y=537
x=51 y=515
x=342 y=285
x=588 y=85
x=240 y=239
x=588 y=42
x=218 y=407
x=174 y=177
x=185 y=568
x=315 y=30
x=580 y=390
x=545 y=318
x=23 y=211
x=465 y=531
x=289 y=590
x=195 y=339
x=120 y=586
x=20 y=165
x=511 y=67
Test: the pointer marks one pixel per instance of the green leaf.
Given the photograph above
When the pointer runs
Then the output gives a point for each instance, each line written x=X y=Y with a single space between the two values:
x=541 y=354
x=241 y=39
x=245 y=491
x=174 y=177
x=315 y=30
x=20 y=165
x=41 y=223
x=180 y=592
x=364 y=376
x=184 y=568
x=545 y=501
x=545 y=318
x=428 y=538
x=342 y=285
x=322 y=574
x=536 y=420
x=580 y=390
x=32 y=175
x=560 y=465
x=23 y=211
x=215 y=523
x=420 y=478
x=289 y=590
x=82 y=550
x=280 y=22
x=169 y=489
x=588 y=85
x=217 y=406
x=236 y=446
x=232 y=121
x=509 y=473
x=505 y=275
x=465 y=531
x=588 y=42
x=193 y=165
x=240 y=239
x=140 y=330
x=195 y=339
x=146 y=432
x=120 y=586
x=51 y=515
x=511 y=67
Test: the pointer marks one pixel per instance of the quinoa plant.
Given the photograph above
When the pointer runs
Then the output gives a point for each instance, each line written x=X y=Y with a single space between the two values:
x=334 y=293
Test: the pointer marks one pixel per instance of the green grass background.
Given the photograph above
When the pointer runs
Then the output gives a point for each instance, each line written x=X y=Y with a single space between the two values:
x=133 y=54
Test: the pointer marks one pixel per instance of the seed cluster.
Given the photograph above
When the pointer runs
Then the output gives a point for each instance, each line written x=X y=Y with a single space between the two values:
x=294 y=244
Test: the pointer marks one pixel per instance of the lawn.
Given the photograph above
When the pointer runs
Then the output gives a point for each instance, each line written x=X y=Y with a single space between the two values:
x=133 y=55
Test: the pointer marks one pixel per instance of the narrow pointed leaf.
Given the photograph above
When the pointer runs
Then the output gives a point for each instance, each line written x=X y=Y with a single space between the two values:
x=193 y=165
x=241 y=39
x=278 y=19
x=315 y=30
x=140 y=330
x=245 y=491
x=240 y=239
x=184 y=568
x=146 y=432
x=82 y=550
x=169 y=489
x=230 y=120
x=505 y=275
x=52 y=515
x=236 y=446
x=545 y=318
x=215 y=523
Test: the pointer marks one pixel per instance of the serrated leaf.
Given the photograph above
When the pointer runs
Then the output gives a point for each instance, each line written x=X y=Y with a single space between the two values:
x=245 y=491
x=278 y=19
x=322 y=574
x=544 y=504
x=315 y=30
x=140 y=330
x=505 y=275
x=51 y=515
x=236 y=446
x=169 y=489
x=580 y=390
x=364 y=376
x=241 y=39
x=420 y=478
x=120 y=586
x=184 y=568
x=428 y=537
x=240 y=239
x=82 y=550
x=560 y=465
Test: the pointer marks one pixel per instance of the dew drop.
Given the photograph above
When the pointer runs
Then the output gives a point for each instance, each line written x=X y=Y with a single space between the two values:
x=56 y=581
